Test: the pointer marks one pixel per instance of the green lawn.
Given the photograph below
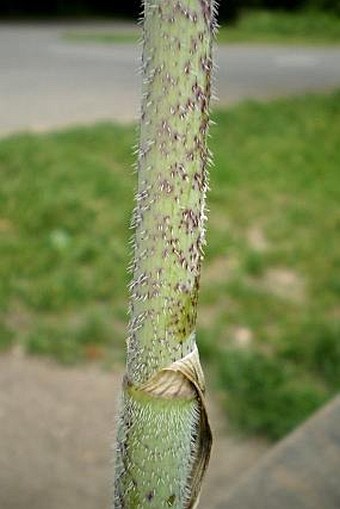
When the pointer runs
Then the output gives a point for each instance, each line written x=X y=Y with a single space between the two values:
x=283 y=27
x=269 y=319
x=128 y=37
x=252 y=27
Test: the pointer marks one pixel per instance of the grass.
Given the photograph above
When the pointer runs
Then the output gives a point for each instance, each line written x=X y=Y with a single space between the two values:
x=282 y=27
x=269 y=308
x=305 y=27
x=128 y=37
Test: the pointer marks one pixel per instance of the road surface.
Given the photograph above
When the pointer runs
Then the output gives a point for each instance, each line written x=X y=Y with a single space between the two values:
x=47 y=82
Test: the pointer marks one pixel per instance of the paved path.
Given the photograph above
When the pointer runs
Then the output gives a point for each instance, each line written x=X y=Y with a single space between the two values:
x=302 y=472
x=46 y=82
x=56 y=436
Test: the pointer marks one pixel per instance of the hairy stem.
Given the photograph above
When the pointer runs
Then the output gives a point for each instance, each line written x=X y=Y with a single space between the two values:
x=157 y=436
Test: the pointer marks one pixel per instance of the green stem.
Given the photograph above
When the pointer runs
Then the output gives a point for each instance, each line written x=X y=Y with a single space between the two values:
x=156 y=437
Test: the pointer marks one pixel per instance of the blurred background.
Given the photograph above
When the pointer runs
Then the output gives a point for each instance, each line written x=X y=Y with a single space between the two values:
x=269 y=315
x=228 y=11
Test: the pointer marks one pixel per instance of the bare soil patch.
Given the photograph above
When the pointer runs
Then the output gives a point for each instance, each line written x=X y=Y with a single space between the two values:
x=57 y=435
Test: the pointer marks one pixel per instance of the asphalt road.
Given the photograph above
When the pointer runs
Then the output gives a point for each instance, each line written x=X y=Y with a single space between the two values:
x=46 y=82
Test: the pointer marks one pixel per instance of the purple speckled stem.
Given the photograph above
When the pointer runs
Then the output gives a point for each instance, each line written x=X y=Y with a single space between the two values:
x=156 y=443
x=172 y=180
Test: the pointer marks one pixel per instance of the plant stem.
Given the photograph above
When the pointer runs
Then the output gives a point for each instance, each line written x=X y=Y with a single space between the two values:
x=156 y=446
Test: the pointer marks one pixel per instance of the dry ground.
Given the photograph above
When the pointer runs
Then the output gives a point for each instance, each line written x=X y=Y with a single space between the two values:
x=57 y=428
